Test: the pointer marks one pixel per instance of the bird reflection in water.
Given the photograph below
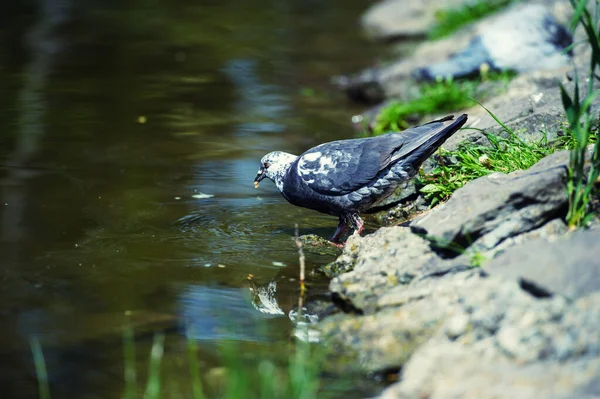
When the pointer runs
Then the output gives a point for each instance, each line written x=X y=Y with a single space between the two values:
x=264 y=299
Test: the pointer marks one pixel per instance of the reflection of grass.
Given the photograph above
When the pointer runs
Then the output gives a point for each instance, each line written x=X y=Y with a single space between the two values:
x=450 y=20
x=262 y=379
x=259 y=380
x=40 y=368
x=442 y=96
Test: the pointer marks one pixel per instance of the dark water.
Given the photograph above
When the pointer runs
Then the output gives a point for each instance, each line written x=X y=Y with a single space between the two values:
x=115 y=118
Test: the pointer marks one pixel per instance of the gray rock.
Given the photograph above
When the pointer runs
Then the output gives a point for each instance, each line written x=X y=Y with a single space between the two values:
x=447 y=370
x=392 y=19
x=568 y=266
x=401 y=212
x=394 y=81
x=526 y=37
x=490 y=317
x=517 y=39
x=318 y=245
x=377 y=262
x=490 y=209
x=551 y=230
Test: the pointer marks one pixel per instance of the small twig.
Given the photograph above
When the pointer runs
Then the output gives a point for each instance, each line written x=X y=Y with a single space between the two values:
x=301 y=259
x=439 y=151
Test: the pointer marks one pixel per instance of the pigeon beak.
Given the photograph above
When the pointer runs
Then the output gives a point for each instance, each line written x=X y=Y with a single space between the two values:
x=259 y=176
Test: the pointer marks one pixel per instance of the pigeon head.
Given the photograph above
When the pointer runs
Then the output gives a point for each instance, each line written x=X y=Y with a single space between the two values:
x=274 y=166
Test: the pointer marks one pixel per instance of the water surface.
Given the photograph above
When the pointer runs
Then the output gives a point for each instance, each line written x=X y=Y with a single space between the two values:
x=130 y=136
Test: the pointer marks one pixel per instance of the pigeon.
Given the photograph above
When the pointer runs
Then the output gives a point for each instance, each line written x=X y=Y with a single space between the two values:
x=346 y=177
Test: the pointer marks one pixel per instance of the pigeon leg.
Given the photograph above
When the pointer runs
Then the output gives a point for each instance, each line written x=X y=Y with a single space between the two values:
x=359 y=223
x=342 y=227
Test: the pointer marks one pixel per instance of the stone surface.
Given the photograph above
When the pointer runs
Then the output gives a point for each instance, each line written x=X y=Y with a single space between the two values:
x=444 y=371
x=490 y=209
x=375 y=263
x=395 y=79
x=551 y=230
x=318 y=245
x=568 y=266
x=391 y=19
x=490 y=316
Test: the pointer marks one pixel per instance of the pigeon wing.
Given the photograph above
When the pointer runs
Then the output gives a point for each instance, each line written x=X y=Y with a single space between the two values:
x=341 y=167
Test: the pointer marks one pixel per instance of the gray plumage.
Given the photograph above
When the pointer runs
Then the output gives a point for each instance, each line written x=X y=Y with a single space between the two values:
x=344 y=178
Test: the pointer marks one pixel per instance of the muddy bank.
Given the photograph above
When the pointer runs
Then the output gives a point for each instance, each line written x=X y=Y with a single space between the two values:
x=488 y=295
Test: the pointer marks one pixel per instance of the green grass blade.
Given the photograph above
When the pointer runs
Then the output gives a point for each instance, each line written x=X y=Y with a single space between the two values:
x=129 y=368
x=156 y=354
x=194 y=365
x=269 y=381
x=579 y=9
x=40 y=368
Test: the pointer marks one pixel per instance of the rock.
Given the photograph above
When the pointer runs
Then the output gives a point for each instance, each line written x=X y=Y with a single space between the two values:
x=380 y=342
x=394 y=79
x=488 y=210
x=526 y=37
x=401 y=212
x=568 y=266
x=456 y=326
x=492 y=317
x=407 y=317
x=377 y=262
x=444 y=371
x=392 y=19
x=547 y=351
x=470 y=48
x=315 y=244
x=550 y=230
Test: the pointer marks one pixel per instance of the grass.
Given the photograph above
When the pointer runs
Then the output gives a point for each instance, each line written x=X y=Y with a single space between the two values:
x=444 y=95
x=40 y=369
x=450 y=20
x=504 y=154
x=301 y=379
x=581 y=186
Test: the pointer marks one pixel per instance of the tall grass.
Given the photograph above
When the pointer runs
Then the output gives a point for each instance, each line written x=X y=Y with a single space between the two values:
x=581 y=184
x=300 y=380
x=450 y=20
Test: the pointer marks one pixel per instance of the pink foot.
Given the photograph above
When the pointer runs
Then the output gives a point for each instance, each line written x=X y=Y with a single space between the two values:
x=360 y=225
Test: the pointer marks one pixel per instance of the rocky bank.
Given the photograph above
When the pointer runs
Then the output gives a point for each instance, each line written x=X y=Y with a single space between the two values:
x=513 y=310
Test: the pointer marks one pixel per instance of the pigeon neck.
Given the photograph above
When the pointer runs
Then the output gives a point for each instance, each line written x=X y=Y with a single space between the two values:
x=279 y=171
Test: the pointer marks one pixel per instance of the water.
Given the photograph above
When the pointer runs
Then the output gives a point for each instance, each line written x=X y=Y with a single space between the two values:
x=130 y=136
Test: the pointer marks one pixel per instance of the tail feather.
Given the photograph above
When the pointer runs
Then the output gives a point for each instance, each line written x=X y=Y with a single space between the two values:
x=413 y=160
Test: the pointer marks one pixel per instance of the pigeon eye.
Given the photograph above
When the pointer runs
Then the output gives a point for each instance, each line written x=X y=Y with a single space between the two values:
x=266 y=165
